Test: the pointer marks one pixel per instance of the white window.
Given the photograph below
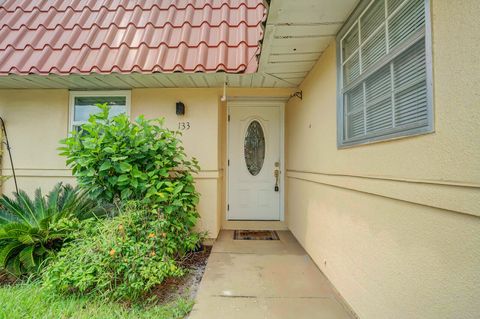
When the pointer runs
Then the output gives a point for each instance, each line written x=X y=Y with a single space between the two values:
x=83 y=104
x=384 y=72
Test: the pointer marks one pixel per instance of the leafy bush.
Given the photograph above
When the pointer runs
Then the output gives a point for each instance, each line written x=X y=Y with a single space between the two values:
x=120 y=258
x=33 y=229
x=114 y=158
x=141 y=161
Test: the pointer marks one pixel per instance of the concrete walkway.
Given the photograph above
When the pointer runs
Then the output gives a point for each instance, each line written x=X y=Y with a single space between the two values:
x=264 y=280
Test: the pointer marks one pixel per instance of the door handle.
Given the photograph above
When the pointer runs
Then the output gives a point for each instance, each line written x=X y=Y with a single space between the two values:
x=276 y=173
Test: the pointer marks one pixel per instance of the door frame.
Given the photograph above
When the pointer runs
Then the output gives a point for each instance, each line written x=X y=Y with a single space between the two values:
x=263 y=102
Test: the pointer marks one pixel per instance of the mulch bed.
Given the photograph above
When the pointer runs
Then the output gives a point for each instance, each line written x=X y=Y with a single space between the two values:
x=185 y=286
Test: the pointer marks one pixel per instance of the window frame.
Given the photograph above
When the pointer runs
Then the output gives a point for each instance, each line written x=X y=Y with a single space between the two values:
x=392 y=134
x=74 y=94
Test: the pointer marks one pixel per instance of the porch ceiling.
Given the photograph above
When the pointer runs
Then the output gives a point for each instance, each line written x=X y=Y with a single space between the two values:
x=296 y=34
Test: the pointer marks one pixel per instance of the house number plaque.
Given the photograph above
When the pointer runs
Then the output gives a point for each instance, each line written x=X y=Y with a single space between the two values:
x=183 y=126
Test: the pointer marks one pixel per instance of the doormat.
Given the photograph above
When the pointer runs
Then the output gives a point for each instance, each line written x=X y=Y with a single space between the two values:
x=255 y=235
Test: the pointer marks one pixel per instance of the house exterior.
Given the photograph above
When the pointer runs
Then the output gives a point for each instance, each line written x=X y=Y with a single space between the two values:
x=354 y=124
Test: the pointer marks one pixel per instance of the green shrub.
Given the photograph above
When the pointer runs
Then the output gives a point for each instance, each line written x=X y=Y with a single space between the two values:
x=119 y=258
x=141 y=161
x=33 y=229
x=114 y=158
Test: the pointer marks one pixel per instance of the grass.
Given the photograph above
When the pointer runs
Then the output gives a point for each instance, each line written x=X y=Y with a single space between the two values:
x=32 y=301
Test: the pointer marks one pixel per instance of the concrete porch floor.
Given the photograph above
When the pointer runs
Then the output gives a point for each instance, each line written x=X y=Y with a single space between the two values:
x=264 y=279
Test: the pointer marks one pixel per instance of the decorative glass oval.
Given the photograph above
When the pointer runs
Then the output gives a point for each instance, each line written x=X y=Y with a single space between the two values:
x=254 y=148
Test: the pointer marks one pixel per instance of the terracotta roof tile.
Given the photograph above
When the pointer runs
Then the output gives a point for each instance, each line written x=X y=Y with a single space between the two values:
x=145 y=36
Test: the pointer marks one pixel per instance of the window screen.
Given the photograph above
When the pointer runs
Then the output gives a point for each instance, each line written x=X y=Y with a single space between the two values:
x=383 y=71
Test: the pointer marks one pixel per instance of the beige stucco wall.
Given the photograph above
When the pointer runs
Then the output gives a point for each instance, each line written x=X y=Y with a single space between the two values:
x=395 y=225
x=36 y=120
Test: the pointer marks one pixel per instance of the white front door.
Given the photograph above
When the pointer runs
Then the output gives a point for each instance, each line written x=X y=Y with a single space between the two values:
x=254 y=163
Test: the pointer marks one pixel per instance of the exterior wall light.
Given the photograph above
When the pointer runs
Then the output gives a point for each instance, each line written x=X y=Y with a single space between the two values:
x=180 y=108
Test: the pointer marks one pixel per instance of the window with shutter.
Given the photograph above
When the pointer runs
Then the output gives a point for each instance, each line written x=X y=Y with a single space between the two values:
x=384 y=70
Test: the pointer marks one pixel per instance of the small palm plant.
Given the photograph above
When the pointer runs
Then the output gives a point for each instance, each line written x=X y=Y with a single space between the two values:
x=31 y=230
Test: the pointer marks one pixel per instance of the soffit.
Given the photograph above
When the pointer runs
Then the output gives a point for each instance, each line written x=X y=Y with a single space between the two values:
x=296 y=34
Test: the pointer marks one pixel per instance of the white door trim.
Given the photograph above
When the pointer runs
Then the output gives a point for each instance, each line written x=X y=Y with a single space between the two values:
x=264 y=102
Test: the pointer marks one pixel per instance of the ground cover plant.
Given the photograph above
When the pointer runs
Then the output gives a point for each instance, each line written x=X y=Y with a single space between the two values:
x=120 y=258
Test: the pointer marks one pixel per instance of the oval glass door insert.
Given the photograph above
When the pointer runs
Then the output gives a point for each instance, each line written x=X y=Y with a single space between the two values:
x=254 y=148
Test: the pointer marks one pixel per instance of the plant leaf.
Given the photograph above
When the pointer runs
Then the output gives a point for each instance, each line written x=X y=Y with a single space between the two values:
x=122 y=178
x=7 y=251
x=106 y=165
x=125 y=167
x=26 y=257
x=26 y=239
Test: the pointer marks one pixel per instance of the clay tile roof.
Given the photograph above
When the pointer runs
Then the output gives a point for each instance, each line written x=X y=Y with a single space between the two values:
x=125 y=36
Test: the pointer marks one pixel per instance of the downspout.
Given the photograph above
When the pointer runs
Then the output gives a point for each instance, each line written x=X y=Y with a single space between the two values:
x=9 y=153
